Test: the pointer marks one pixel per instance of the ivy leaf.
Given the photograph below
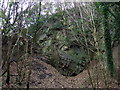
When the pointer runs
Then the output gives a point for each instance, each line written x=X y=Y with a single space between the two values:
x=42 y=37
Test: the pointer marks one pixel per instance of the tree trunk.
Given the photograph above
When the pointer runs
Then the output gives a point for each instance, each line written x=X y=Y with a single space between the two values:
x=107 y=37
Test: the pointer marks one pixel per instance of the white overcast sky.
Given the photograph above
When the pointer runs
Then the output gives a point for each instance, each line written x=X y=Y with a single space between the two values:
x=25 y=2
x=58 y=1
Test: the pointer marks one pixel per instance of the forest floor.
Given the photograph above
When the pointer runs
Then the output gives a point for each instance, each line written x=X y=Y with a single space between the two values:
x=46 y=76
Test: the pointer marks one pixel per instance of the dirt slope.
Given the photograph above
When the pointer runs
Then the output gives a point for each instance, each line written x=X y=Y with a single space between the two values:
x=45 y=76
x=48 y=77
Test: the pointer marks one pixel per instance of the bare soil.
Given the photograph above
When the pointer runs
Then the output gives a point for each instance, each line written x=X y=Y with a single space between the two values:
x=46 y=76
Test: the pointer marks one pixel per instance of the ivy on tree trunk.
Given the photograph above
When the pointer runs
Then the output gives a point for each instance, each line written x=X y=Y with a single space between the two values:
x=107 y=37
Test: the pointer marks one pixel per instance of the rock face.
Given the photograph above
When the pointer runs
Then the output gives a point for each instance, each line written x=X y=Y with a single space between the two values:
x=70 y=62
